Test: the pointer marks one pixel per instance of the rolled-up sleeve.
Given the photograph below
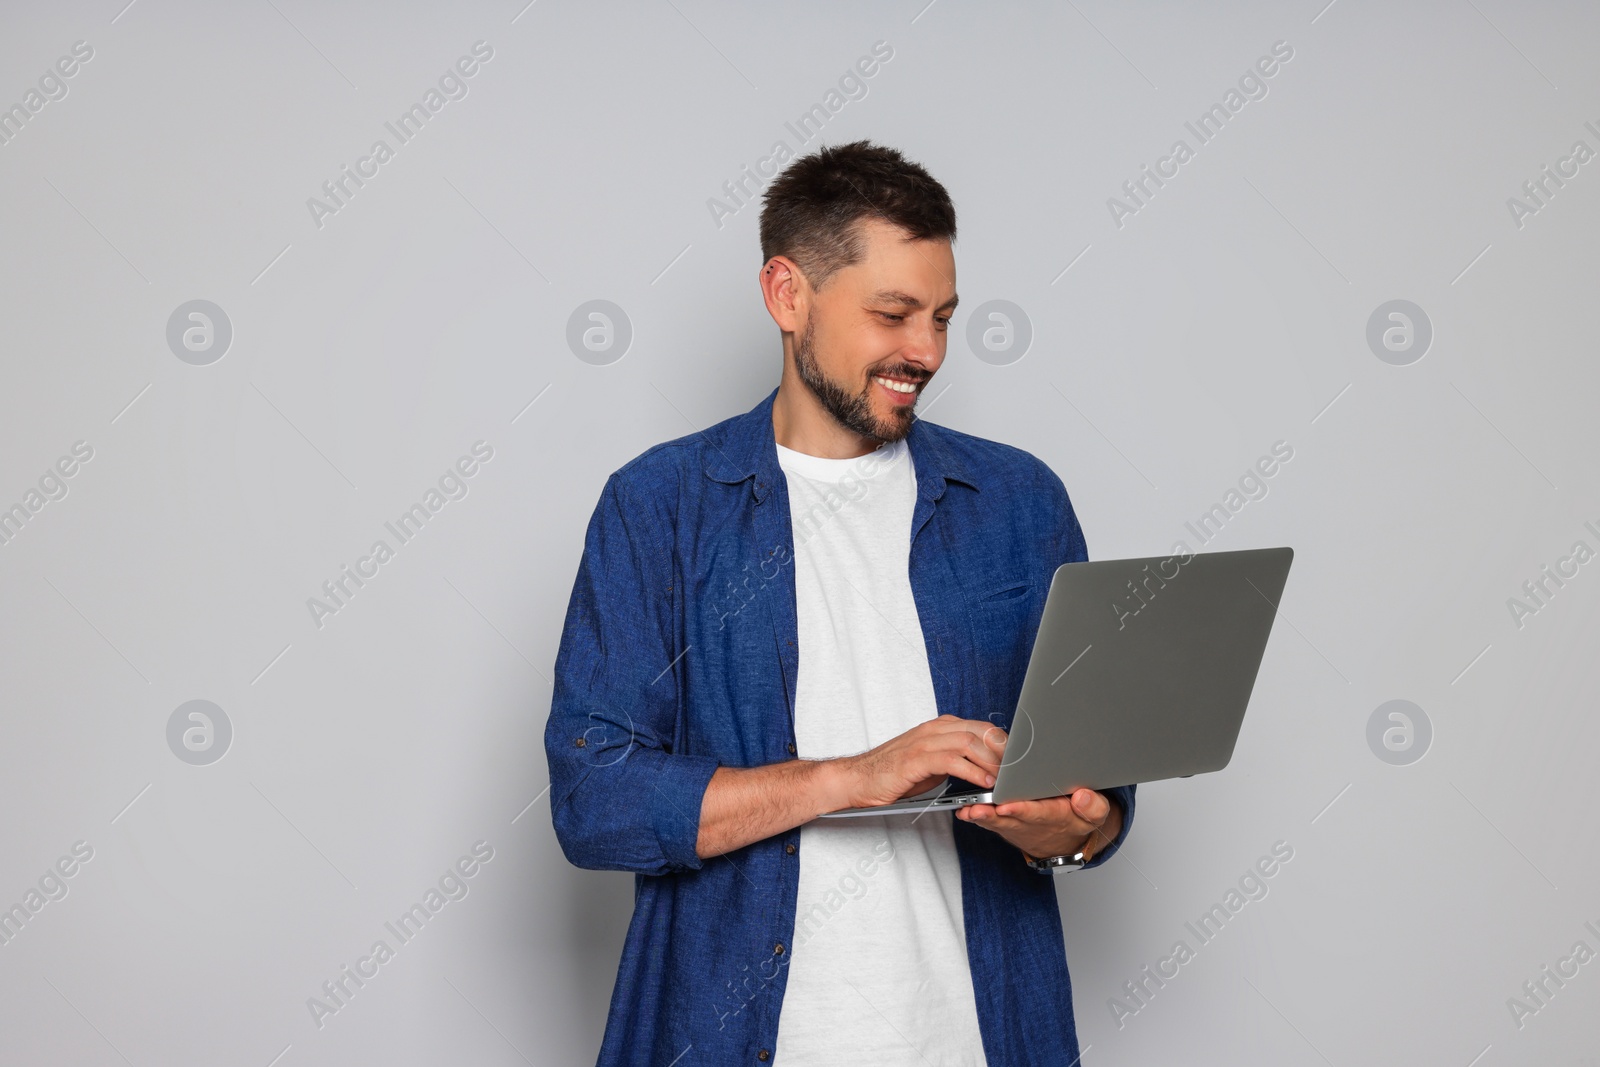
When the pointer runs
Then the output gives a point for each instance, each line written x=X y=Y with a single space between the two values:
x=621 y=798
x=1121 y=795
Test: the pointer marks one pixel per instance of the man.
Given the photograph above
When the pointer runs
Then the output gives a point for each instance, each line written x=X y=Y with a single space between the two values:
x=824 y=603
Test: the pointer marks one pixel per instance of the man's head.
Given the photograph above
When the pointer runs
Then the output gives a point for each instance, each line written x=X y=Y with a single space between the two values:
x=859 y=274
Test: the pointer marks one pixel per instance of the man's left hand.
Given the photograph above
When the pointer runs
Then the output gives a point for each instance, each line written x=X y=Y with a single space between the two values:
x=1056 y=826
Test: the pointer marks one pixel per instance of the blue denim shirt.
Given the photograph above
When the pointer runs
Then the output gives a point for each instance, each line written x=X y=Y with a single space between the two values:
x=679 y=656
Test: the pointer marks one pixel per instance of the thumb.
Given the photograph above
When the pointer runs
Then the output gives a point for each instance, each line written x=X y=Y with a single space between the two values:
x=1089 y=804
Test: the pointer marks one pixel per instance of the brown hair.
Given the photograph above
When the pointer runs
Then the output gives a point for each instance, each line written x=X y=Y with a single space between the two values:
x=809 y=212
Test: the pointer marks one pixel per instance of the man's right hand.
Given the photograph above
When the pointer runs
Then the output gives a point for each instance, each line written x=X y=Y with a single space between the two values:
x=743 y=805
x=921 y=758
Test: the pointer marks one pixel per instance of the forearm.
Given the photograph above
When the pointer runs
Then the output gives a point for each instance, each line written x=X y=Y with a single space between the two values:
x=743 y=805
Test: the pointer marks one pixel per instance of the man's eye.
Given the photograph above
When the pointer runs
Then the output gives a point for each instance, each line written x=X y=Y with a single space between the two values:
x=942 y=323
x=891 y=316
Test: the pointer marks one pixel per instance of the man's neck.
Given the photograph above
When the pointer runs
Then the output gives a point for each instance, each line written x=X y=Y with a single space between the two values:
x=801 y=423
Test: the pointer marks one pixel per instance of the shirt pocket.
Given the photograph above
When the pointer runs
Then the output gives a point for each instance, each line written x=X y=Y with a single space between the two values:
x=1010 y=592
x=1001 y=612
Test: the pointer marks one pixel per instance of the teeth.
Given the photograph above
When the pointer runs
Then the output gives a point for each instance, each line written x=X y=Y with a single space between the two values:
x=899 y=387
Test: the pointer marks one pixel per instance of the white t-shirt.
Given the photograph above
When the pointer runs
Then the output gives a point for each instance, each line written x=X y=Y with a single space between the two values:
x=879 y=971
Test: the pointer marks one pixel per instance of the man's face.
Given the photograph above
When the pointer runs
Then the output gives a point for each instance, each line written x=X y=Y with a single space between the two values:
x=877 y=328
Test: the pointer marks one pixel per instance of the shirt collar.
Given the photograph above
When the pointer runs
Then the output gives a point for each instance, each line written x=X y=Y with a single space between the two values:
x=744 y=447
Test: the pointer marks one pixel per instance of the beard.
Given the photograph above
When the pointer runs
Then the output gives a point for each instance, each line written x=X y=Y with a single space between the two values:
x=854 y=410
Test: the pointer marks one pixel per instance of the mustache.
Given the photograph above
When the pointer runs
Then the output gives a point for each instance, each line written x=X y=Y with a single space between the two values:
x=905 y=371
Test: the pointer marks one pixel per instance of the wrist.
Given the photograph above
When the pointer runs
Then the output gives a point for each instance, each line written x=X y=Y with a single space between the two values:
x=1086 y=849
x=1099 y=838
x=1068 y=861
x=831 y=782
x=1090 y=846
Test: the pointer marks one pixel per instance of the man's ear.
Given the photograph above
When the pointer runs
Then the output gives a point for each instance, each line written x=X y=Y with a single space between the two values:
x=786 y=293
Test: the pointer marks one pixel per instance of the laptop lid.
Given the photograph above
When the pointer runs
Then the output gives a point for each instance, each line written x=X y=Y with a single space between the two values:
x=1141 y=670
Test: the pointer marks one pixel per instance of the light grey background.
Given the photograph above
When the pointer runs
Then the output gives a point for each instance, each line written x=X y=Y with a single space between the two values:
x=368 y=354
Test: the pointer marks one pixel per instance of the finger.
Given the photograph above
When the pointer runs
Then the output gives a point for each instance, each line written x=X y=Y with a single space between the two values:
x=994 y=738
x=957 y=736
x=1091 y=806
x=990 y=819
x=1056 y=810
x=982 y=752
x=987 y=732
x=969 y=771
x=1052 y=811
x=963 y=756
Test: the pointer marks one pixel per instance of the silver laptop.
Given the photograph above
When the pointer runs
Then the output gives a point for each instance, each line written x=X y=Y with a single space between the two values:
x=1141 y=670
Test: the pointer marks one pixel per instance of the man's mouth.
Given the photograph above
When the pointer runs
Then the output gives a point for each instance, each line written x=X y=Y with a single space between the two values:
x=900 y=389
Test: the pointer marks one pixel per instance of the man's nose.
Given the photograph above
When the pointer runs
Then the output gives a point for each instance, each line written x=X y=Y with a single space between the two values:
x=925 y=348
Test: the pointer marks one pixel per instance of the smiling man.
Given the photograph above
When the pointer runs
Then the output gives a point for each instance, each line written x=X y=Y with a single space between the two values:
x=825 y=603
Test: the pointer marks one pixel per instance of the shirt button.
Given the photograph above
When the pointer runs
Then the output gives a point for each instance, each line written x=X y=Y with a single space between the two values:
x=763 y=1055
x=777 y=950
x=791 y=748
x=580 y=742
x=789 y=849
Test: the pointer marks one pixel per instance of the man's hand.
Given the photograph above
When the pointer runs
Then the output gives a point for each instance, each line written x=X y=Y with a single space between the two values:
x=922 y=757
x=743 y=805
x=1055 y=826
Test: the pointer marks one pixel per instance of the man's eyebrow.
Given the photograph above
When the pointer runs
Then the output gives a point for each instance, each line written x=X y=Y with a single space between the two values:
x=906 y=300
